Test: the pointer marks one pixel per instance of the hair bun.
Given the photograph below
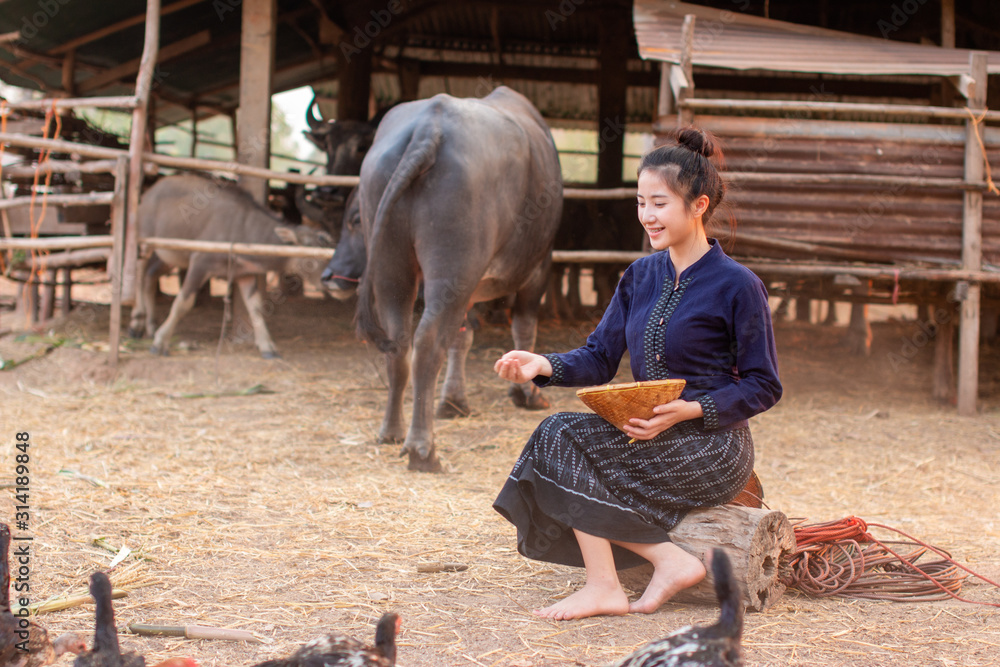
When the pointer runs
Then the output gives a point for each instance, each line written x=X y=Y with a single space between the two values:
x=696 y=140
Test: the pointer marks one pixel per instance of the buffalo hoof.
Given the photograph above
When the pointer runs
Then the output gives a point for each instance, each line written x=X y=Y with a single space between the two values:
x=390 y=438
x=270 y=355
x=450 y=409
x=135 y=333
x=531 y=401
x=159 y=351
x=429 y=463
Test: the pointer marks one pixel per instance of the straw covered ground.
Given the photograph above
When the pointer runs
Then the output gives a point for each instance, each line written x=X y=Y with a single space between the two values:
x=271 y=508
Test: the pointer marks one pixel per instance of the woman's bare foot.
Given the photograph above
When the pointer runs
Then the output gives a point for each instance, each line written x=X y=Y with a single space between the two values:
x=591 y=600
x=673 y=570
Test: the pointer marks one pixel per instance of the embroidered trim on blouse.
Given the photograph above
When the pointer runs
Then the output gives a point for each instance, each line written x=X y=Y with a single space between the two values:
x=557 y=369
x=655 y=338
x=711 y=412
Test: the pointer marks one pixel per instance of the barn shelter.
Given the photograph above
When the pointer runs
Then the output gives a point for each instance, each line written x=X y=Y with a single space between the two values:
x=815 y=120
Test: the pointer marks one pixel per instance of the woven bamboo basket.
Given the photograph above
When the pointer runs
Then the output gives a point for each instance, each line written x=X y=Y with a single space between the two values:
x=618 y=403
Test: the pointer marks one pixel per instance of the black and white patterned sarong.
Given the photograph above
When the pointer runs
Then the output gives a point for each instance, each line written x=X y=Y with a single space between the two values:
x=579 y=471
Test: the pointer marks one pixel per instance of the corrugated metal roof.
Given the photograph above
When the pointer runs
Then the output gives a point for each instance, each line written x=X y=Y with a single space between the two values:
x=731 y=40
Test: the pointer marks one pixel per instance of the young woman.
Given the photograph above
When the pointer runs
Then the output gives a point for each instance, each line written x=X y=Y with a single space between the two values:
x=584 y=492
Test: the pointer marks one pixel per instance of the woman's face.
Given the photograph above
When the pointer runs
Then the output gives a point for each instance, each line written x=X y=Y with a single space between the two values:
x=667 y=219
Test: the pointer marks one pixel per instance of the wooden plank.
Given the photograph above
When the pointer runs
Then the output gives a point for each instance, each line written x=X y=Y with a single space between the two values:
x=972 y=246
x=788 y=106
x=117 y=27
x=143 y=84
x=131 y=67
x=253 y=128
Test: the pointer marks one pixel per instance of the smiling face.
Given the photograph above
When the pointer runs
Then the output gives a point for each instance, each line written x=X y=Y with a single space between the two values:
x=666 y=217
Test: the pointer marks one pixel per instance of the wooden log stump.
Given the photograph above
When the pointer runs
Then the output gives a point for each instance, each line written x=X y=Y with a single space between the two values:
x=755 y=539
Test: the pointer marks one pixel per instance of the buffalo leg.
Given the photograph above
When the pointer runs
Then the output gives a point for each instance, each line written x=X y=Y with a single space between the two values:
x=195 y=278
x=397 y=319
x=524 y=327
x=250 y=290
x=142 y=320
x=443 y=314
x=454 y=402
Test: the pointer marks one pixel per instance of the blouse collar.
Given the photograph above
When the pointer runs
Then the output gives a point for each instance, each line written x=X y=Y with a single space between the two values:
x=714 y=251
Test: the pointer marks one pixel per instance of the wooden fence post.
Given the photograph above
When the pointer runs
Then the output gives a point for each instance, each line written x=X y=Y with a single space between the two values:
x=972 y=245
x=137 y=139
x=117 y=259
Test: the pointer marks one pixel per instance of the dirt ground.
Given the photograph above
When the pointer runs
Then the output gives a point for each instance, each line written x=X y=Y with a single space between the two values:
x=253 y=495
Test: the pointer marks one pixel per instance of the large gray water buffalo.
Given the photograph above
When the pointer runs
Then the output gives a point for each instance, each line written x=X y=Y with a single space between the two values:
x=464 y=197
x=199 y=208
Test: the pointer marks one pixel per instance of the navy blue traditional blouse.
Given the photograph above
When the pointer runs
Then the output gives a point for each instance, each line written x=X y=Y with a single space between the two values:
x=713 y=329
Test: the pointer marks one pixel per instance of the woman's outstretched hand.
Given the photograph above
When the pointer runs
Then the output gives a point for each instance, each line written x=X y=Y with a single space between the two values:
x=520 y=366
x=667 y=415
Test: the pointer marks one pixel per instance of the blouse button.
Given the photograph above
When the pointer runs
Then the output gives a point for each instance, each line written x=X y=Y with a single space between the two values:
x=661 y=321
x=657 y=357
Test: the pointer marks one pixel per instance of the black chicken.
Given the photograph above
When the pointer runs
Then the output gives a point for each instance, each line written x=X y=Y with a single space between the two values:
x=40 y=651
x=715 y=645
x=105 y=651
x=339 y=650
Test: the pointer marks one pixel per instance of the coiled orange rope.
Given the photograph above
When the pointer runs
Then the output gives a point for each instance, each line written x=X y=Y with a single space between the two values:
x=843 y=558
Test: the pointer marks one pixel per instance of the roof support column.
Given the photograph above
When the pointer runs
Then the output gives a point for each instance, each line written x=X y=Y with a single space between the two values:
x=615 y=44
x=355 y=85
x=253 y=120
x=972 y=247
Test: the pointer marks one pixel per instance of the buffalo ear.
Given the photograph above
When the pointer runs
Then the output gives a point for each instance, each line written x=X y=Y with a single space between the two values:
x=287 y=235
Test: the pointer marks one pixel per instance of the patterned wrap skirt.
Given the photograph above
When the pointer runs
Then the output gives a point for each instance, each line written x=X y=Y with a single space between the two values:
x=579 y=471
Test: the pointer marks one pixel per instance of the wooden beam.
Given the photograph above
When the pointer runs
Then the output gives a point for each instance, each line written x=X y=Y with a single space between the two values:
x=972 y=244
x=69 y=73
x=85 y=199
x=118 y=26
x=115 y=102
x=130 y=67
x=57 y=242
x=685 y=116
x=665 y=102
x=253 y=129
x=948 y=24
x=143 y=85
x=253 y=249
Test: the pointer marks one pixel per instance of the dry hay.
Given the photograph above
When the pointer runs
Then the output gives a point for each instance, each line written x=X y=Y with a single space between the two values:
x=277 y=513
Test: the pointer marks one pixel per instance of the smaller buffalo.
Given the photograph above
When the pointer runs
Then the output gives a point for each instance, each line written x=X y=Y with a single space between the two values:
x=199 y=208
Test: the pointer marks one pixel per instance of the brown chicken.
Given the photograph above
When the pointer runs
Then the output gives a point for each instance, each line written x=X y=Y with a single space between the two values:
x=24 y=643
x=716 y=645
x=338 y=650
x=105 y=651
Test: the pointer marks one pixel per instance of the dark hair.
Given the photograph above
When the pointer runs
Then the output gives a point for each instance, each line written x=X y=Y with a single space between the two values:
x=684 y=164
